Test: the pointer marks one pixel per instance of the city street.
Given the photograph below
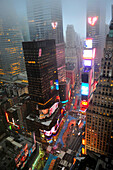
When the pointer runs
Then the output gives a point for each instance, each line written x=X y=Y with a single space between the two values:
x=70 y=137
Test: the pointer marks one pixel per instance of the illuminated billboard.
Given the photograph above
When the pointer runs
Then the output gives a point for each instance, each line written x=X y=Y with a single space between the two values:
x=87 y=63
x=57 y=85
x=89 y=54
x=85 y=89
x=48 y=112
x=53 y=108
x=84 y=102
x=88 y=43
x=92 y=20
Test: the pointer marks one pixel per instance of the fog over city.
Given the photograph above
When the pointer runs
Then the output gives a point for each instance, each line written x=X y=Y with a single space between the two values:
x=56 y=84
x=74 y=12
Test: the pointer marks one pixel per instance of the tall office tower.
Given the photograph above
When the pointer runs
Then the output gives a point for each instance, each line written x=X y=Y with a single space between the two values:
x=99 y=116
x=41 y=67
x=72 y=41
x=45 y=22
x=11 y=56
x=60 y=58
x=96 y=28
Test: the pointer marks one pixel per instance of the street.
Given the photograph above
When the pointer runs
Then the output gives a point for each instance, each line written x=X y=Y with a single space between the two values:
x=69 y=139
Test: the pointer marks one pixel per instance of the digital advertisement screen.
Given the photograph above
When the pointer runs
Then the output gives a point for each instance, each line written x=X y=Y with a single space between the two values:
x=88 y=43
x=85 y=89
x=87 y=63
x=87 y=54
x=53 y=108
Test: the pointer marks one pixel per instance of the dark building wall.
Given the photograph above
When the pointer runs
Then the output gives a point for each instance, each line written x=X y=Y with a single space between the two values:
x=40 y=60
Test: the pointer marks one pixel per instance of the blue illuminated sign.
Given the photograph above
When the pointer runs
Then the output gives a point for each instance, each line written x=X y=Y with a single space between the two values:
x=85 y=89
x=57 y=85
x=64 y=101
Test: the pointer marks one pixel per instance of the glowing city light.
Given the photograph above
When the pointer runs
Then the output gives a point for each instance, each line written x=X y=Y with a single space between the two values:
x=54 y=25
x=40 y=52
x=92 y=20
x=87 y=62
x=83 y=141
x=85 y=103
x=88 y=43
x=85 y=89
x=94 y=53
x=89 y=54
x=7 y=118
x=83 y=151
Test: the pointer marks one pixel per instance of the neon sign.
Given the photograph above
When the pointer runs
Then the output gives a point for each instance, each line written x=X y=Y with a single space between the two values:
x=40 y=52
x=54 y=25
x=7 y=118
x=94 y=53
x=64 y=101
x=57 y=85
x=92 y=20
x=13 y=123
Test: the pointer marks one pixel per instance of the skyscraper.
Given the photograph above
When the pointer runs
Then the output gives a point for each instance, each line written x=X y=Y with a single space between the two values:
x=41 y=67
x=71 y=53
x=99 y=116
x=96 y=28
x=73 y=47
x=40 y=60
x=11 y=56
x=45 y=20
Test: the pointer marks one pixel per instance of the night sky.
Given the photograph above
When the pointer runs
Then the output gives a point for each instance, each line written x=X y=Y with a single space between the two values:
x=74 y=12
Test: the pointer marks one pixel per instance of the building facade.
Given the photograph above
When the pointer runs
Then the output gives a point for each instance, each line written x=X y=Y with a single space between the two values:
x=41 y=67
x=45 y=20
x=11 y=55
x=99 y=116
x=46 y=23
x=95 y=29
x=73 y=47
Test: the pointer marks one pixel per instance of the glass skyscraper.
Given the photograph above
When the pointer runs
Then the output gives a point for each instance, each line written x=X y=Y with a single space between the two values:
x=45 y=20
x=11 y=56
x=95 y=23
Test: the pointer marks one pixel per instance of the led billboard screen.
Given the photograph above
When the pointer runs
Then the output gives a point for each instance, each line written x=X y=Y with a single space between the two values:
x=85 y=89
x=87 y=63
x=89 y=54
x=88 y=43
